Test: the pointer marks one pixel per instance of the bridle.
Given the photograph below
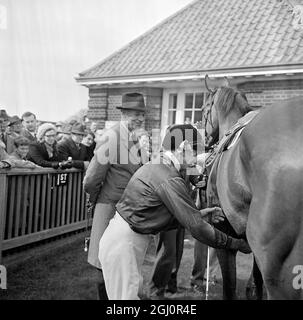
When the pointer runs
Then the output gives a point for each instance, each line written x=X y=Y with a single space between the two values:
x=207 y=112
x=207 y=115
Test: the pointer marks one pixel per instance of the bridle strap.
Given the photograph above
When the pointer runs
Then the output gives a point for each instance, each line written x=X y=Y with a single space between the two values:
x=208 y=115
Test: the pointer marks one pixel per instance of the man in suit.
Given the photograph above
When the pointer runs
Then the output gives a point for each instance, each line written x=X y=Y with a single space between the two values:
x=29 y=122
x=73 y=148
x=116 y=159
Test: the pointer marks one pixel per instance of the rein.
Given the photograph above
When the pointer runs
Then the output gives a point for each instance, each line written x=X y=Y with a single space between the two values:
x=208 y=115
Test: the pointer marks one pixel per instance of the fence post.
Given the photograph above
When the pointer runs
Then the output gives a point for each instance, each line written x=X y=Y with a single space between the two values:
x=3 y=203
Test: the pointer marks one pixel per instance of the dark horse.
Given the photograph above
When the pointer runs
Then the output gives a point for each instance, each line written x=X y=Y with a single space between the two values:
x=259 y=185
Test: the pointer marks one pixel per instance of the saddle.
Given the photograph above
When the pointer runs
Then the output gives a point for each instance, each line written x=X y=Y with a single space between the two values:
x=231 y=137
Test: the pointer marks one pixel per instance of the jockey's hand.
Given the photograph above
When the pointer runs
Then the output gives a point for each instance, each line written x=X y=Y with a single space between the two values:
x=214 y=215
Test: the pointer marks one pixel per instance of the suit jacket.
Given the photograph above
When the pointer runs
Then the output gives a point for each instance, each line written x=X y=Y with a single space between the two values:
x=114 y=163
x=39 y=155
x=9 y=143
x=25 y=133
x=68 y=148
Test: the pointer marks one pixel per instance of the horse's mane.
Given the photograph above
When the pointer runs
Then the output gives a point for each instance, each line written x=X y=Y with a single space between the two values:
x=230 y=99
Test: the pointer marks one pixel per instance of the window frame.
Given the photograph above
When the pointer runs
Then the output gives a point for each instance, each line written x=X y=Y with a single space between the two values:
x=181 y=93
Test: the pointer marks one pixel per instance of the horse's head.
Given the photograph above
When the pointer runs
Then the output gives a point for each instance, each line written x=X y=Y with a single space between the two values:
x=209 y=112
x=222 y=101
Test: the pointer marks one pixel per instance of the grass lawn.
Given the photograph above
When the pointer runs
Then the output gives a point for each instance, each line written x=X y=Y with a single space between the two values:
x=62 y=273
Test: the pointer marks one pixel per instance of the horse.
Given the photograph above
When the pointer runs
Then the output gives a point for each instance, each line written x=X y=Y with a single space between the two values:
x=258 y=183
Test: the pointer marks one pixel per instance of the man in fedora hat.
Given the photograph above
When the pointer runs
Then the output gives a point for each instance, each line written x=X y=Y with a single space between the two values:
x=73 y=148
x=116 y=159
x=64 y=133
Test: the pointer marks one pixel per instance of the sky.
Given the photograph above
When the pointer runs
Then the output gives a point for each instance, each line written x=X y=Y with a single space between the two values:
x=44 y=44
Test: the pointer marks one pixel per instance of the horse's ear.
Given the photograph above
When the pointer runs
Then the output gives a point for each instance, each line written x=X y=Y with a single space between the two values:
x=207 y=81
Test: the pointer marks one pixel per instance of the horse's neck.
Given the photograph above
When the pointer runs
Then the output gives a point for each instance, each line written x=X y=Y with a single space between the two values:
x=226 y=123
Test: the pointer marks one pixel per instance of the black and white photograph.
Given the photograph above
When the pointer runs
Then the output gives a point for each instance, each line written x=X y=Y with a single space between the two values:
x=151 y=150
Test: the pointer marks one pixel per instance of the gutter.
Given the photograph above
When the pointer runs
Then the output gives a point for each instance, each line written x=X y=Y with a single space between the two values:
x=194 y=76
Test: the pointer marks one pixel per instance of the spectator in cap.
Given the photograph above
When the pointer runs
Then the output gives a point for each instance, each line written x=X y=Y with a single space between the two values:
x=64 y=133
x=164 y=203
x=22 y=148
x=15 y=125
x=59 y=126
x=73 y=122
x=73 y=147
x=89 y=142
x=29 y=122
x=21 y=153
x=116 y=159
x=44 y=152
x=7 y=161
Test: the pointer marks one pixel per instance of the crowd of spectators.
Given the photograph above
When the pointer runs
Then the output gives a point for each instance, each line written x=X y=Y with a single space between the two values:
x=27 y=143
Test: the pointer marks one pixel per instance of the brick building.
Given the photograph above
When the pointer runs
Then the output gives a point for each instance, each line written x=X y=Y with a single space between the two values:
x=256 y=44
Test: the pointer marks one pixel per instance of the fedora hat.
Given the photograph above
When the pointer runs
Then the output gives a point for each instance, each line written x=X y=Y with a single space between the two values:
x=59 y=124
x=132 y=101
x=14 y=120
x=66 y=129
x=78 y=128
x=4 y=115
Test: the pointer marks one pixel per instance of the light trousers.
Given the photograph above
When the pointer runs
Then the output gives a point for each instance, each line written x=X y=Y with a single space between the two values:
x=121 y=254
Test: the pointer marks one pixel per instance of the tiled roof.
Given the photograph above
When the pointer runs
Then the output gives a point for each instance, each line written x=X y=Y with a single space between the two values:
x=210 y=35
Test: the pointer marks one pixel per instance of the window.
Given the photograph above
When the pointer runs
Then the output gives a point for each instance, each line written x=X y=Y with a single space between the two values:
x=182 y=105
x=192 y=108
x=172 y=108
